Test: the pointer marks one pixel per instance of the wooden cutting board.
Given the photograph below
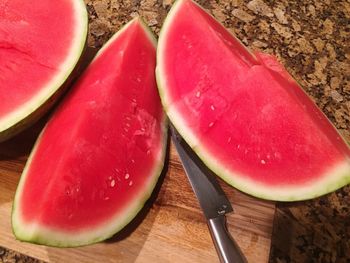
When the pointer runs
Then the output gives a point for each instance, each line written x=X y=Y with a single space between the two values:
x=170 y=228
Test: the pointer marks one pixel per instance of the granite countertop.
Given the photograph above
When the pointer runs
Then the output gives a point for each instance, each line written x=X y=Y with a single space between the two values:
x=311 y=38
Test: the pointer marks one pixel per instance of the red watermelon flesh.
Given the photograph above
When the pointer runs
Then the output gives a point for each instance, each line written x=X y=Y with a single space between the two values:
x=98 y=159
x=40 y=44
x=243 y=114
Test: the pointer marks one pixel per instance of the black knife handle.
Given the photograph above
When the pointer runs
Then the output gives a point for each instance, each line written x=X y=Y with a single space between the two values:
x=226 y=247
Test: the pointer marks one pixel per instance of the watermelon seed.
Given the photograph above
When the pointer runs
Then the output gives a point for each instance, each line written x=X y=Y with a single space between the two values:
x=130 y=183
x=198 y=94
x=238 y=146
x=68 y=191
x=113 y=183
x=263 y=162
x=268 y=156
x=132 y=160
x=148 y=152
x=229 y=139
x=109 y=177
x=212 y=107
x=211 y=124
x=127 y=176
x=106 y=198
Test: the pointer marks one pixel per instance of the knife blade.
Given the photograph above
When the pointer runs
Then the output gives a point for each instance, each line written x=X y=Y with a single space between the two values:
x=212 y=199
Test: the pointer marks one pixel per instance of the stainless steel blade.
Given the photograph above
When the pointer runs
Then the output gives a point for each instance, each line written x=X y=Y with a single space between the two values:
x=211 y=197
x=212 y=200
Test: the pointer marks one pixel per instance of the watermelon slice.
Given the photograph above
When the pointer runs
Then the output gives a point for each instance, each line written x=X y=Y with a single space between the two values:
x=243 y=114
x=99 y=157
x=40 y=44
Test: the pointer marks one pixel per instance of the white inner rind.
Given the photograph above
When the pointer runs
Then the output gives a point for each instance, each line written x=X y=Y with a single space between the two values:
x=160 y=74
x=38 y=233
x=65 y=69
x=336 y=176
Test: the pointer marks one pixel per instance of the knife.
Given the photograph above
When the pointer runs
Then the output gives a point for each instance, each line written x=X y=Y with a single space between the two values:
x=212 y=200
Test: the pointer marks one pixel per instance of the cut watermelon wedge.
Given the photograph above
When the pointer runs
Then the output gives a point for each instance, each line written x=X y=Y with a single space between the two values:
x=98 y=159
x=243 y=114
x=40 y=44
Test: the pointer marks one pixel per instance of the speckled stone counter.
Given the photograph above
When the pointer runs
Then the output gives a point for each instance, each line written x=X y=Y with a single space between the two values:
x=311 y=38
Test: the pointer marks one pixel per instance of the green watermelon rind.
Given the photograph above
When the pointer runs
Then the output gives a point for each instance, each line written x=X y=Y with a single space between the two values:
x=48 y=237
x=31 y=111
x=335 y=178
x=34 y=233
x=163 y=30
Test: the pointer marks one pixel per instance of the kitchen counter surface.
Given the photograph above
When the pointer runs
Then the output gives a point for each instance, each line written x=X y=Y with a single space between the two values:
x=311 y=38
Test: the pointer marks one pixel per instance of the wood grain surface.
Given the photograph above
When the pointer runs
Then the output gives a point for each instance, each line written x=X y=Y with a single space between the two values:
x=170 y=228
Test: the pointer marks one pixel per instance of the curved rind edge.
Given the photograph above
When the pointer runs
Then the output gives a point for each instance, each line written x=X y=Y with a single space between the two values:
x=38 y=105
x=44 y=236
x=335 y=178
x=160 y=80
x=35 y=233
